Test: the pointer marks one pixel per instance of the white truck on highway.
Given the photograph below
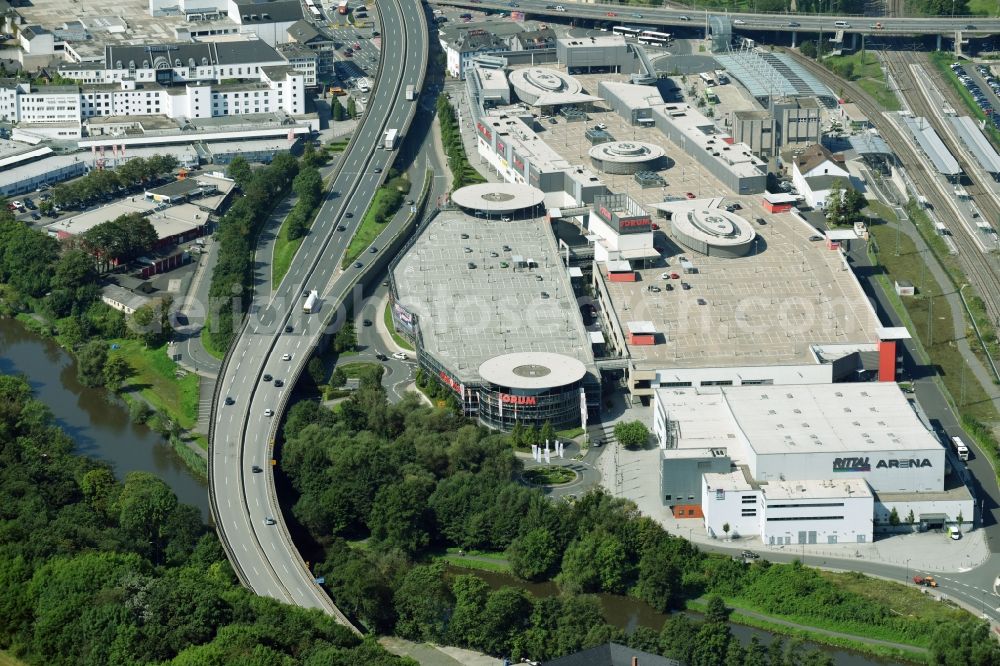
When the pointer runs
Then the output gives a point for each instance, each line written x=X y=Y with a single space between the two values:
x=312 y=302
x=411 y=93
x=391 y=136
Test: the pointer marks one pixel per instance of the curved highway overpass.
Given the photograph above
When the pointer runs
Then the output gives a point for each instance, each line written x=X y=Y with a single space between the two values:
x=241 y=483
x=693 y=18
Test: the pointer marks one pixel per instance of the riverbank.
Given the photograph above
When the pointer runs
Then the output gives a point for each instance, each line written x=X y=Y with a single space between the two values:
x=158 y=392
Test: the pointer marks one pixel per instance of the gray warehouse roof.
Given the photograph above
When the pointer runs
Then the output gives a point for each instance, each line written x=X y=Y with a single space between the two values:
x=968 y=131
x=925 y=135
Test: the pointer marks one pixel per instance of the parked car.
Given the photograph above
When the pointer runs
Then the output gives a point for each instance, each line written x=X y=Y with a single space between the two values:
x=749 y=555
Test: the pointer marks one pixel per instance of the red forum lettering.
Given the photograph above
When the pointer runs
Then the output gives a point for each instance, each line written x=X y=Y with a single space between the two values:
x=529 y=400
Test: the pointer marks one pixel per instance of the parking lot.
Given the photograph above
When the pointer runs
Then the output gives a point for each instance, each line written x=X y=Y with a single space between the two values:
x=989 y=102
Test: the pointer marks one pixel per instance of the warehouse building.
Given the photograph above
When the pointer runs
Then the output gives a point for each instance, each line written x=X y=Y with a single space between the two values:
x=802 y=464
x=494 y=319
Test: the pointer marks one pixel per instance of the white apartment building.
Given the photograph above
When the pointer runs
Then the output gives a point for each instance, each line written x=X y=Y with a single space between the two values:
x=277 y=88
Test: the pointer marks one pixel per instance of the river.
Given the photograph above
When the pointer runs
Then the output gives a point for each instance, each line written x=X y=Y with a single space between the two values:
x=96 y=420
x=628 y=613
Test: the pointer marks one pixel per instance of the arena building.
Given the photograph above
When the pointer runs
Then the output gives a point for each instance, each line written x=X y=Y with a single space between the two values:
x=626 y=157
x=789 y=312
x=803 y=464
x=494 y=318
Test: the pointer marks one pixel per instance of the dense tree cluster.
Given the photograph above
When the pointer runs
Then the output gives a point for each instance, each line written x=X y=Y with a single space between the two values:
x=122 y=239
x=96 y=572
x=408 y=481
x=59 y=281
x=451 y=136
x=844 y=206
x=100 y=183
x=237 y=235
x=308 y=186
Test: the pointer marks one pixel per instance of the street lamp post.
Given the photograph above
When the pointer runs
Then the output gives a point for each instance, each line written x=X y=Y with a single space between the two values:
x=907 y=570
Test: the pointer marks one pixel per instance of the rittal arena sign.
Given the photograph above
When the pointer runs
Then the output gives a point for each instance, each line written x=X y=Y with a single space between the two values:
x=864 y=464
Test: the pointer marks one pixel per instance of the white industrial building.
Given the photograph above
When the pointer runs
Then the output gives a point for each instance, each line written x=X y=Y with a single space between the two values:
x=802 y=464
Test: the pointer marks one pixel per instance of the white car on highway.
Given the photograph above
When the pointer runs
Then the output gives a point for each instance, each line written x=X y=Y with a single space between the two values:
x=269 y=413
x=286 y=357
x=400 y=356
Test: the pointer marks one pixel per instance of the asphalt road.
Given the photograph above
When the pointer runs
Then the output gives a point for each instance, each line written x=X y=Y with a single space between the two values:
x=243 y=501
x=690 y=18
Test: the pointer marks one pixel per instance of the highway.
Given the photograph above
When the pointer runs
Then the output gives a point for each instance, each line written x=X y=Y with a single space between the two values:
x=267 y=351
x=691 y=18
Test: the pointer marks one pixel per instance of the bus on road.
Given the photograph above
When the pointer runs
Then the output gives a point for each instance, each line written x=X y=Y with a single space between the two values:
x=665 y=36
x=707 y=78
x=625 y=31
x=652 y=41
x=312 y=302
x=960 y=448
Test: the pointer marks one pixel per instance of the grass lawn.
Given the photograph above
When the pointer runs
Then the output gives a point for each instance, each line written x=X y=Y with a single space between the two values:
x=930 y=315
x=284 y=252
x=491 y=561
x=355 y=370
x=155 y=380
x=370 y=227
x=572 y=433
x=389 y=326
x=208 y=345
x=549 y=476
x=6 y=659
x=905 y=600
x=867 y=72
x=984 y=7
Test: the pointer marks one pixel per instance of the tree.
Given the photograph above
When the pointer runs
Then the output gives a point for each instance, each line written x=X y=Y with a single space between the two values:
x=835 y=206
x=346 y=338
x=338 y=378
x=308 y=186
x=910 y=519
x=960 y=519
x=352 y=108
x=632 y=435
x=547 y=433
x=725 y=529
x=316 y=370
x=239 y=170
x=74 y=268
x=423 y=603
x=90 y=360
x=151 y=322
x=337 y=109
x=116 y=371
x=533 y=555
x=399 y=517
x=894 y=517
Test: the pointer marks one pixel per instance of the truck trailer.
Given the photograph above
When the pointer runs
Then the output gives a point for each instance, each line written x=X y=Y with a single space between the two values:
x=312 y=302
x=391 y=136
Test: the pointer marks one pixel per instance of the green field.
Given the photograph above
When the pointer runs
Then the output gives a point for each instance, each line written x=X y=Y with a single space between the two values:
x=7 y=660
x=355 y=370
x=864 y=69
x=284 y=252
x=984 y=7
x=396 y=337
x=155 y=381
x=929 y=315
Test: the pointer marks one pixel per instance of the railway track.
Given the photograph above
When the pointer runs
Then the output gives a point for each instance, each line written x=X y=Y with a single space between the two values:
x=980 y=269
